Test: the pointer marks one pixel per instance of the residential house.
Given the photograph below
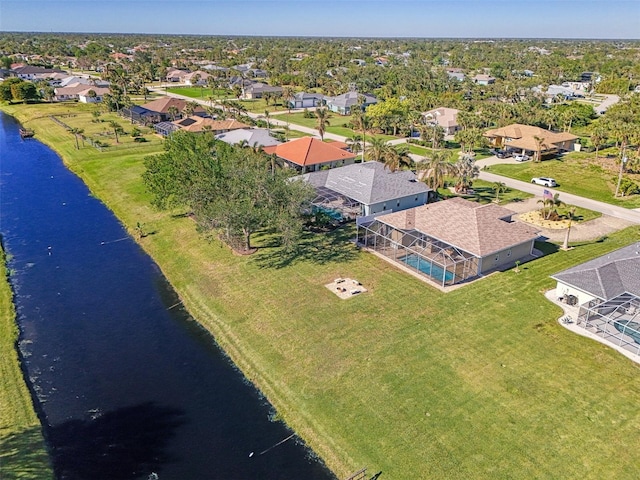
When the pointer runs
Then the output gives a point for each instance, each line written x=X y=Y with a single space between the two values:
x=455 y=74
x=198 y=124
x=482 y=79
x=523 y=139
x=98 y=94
x=257 y=90
x=196 y=78
x=71 y=92
x=343 y=104
x=363 y=189
x=308 y=154
x=159 y=110
x=306 y=100
x=605 y=293
x=31 y=73
x=176 y=75
x=447 y=118
x=253 y=137
x=450 y=241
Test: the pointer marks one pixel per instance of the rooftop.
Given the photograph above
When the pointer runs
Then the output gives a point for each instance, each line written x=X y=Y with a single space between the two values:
x=475 y=228
x=309 y=151
x=607 y=276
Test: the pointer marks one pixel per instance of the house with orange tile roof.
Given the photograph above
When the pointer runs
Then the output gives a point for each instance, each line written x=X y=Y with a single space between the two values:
x=450 y=241
x=308 y=154
x=525 y=138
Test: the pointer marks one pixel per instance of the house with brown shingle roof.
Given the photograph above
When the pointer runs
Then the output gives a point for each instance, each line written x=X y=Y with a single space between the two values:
x=197 y=124
x=450 y=241
x=159 y=110
x=447 y=118
x=308 y=154
x=523 y=138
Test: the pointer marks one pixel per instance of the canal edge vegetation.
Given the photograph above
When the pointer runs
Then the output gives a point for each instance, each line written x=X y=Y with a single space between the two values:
x=23 y=453
x=383 y=380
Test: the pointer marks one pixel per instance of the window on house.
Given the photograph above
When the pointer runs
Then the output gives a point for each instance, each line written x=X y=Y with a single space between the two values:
x=398 y=203
x=497 y=257
x=509 y=253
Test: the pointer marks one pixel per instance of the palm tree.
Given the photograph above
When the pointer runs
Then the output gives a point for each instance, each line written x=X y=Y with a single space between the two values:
x=117 y=129
x=437 y=167
x=571 y=214
x=322 y=115
x=354 y=143
x=173 y=112
x=189 y=108
x=599 y=135
x=76 y=132
x=499 y=187
x=266 y=116
x=396 y=158
x=287 y=93
x=465 y=171
x=539 y=142
x=376 y=149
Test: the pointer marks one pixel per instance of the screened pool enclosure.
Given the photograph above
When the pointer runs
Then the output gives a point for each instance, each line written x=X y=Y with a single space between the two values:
x=616 y=320
x=429 y=257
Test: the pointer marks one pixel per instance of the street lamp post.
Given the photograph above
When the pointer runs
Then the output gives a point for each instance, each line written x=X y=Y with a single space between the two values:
x=623 y=160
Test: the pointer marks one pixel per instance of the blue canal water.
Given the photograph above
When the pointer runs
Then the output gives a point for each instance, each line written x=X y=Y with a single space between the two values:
x=126 y=382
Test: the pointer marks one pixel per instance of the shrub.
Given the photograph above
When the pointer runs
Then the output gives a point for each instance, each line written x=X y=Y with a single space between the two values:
x=139 y=139
x=629 y=187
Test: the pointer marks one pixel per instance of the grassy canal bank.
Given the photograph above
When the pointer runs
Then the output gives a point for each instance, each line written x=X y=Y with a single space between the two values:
x=481 y=382
x=22 y=450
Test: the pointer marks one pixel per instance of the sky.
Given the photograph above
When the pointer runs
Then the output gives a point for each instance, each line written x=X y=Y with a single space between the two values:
x=600 y=19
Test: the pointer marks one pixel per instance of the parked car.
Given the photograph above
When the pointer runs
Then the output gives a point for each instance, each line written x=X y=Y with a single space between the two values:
x=503 y=154
x=521 y=157
x=544 y=181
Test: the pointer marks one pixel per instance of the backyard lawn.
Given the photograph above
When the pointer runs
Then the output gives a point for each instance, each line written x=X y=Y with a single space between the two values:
x=481 y=382
x=201 y=93
x=22 y=450
x=576 y=173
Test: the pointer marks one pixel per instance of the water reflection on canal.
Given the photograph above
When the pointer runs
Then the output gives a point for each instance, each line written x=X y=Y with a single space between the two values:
x=127 y=383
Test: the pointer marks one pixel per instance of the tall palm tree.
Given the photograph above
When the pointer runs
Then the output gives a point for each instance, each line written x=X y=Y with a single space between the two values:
x=354 y=143
x=499 y=187
x=539 y=142
x=571 y=215
x=465 y=171
x=287 y=93
x=376 y=149
x=76 y=132
x=117 y=129
x=267 y=117
x=397 y=158
x=173 y=112
x=322 y=122
x=436 y=168
x=599 y=135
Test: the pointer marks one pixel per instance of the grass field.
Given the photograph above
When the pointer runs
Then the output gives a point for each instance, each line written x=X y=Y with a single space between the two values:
x=22 y=450
x=337 y=124
x=575 y=173
x=201 y=93
x=481 y=382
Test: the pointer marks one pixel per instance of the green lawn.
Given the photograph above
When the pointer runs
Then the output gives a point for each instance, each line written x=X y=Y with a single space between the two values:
x=575 y=173
x=201 y=93
x=481 y=382
x=22 y=450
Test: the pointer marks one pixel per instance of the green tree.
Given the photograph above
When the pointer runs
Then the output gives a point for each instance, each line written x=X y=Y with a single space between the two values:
x=117 y=129
x=465 y=170
x=436 y=167
x=322 y=121
x=76 y=132
x=226 y=188
x=498 y=188
x=598 y=138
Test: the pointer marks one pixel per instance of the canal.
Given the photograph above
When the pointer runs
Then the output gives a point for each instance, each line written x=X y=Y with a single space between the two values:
x=126 y=383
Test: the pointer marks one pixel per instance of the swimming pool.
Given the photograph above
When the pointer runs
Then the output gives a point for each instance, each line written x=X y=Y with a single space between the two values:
x=635 y=333
x=335 y=214
x=432 y=270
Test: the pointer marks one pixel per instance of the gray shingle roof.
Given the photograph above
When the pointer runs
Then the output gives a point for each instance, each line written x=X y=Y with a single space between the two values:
x=350 y=99
x=368 y=183
x=607 y=276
